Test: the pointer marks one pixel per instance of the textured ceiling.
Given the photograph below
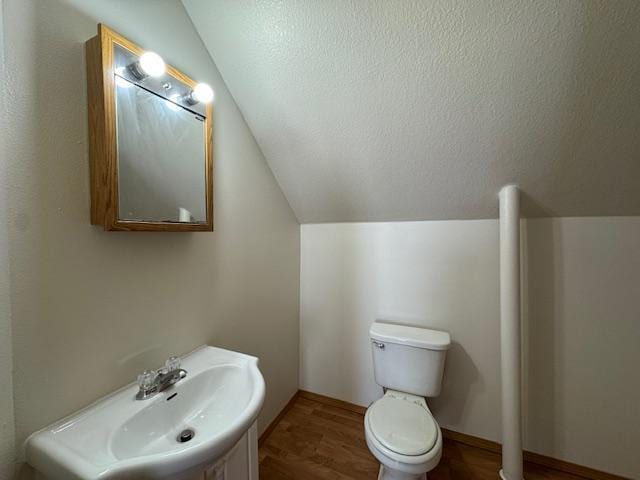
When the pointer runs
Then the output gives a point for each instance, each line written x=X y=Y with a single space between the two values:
x=397 y=109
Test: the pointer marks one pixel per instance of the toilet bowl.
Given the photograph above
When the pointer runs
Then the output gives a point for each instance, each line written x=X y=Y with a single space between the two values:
x=403 y=435
x=408 y=362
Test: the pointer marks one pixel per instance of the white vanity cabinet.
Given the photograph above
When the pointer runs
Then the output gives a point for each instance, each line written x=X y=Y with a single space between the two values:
x=241 y=463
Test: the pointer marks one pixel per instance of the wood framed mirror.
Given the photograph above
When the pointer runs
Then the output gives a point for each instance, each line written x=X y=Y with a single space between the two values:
x=150 y=141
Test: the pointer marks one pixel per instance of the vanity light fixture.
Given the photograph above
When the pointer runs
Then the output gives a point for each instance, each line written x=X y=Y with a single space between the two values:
x=149 y=64
x=201 y=93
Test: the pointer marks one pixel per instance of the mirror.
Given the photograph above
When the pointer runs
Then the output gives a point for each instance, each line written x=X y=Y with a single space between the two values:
x=160 y=158
x=151 y=160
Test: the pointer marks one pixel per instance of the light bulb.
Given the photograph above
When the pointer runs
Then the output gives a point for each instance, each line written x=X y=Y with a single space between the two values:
x=152 y=64
x=202 y=93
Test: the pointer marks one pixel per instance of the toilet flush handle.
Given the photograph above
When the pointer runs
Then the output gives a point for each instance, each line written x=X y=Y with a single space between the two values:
x=380 y=345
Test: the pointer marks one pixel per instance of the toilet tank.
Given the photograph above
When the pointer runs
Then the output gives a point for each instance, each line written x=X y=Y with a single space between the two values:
x=408 y=359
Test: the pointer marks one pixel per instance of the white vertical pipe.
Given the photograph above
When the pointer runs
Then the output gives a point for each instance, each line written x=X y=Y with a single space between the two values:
x=510 y=333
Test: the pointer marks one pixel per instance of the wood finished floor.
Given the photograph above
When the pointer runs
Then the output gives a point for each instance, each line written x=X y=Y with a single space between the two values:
x=315 y=441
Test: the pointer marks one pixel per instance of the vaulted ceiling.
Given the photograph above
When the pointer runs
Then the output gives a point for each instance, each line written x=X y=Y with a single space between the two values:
x=395 y=109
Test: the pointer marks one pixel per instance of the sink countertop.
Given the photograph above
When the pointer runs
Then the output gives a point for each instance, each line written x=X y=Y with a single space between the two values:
x=121 y=437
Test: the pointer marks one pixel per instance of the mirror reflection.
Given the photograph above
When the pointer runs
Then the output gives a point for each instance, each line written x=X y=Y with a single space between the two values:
x=161 y=158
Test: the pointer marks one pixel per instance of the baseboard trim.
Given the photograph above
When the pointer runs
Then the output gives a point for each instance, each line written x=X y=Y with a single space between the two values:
x=531 y=457
x=262 y=438
x=334 y=402
x=477 y=442
x=568 y=467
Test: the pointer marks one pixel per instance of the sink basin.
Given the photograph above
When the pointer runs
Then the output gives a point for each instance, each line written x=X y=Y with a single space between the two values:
x=120 y=437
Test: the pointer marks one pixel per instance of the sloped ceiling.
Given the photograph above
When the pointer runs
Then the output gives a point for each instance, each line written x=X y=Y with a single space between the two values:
x=395 y=109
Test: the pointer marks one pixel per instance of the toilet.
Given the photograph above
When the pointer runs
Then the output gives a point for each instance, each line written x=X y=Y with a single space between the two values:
x=399 y=427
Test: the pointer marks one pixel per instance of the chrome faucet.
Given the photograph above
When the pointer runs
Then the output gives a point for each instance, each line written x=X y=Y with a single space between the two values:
x=152 y=382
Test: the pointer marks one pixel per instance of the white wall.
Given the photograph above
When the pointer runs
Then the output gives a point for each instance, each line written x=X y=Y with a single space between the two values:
x=7 y=438
x=582 y=296
x=91 y=309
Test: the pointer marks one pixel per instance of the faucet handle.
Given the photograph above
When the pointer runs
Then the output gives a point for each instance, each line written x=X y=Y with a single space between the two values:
x=146 y=380
x=172 y=364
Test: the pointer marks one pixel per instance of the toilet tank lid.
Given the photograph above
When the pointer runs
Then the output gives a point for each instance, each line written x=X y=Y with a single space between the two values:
x=411 y=336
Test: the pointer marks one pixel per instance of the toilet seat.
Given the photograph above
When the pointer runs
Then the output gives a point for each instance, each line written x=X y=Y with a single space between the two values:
x=396 y=465
x=403 y=425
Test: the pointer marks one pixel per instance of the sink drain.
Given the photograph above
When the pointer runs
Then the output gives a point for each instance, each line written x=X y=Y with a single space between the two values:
x=186 y=435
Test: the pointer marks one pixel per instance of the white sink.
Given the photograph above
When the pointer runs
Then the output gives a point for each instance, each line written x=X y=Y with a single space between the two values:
x=120 y=437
